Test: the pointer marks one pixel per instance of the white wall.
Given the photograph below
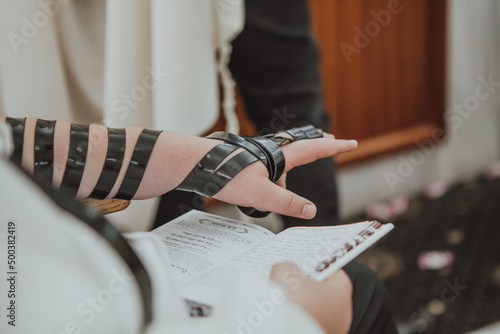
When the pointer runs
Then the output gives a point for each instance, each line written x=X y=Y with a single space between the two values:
x=473 y=137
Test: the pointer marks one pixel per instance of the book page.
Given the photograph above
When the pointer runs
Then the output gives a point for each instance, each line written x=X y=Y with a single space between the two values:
x=197 y=241
x=318 y=251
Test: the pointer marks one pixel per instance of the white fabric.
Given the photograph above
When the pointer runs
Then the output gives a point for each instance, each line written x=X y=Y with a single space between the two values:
x=6 y=141
x=237 y=314
x=74 y=59
x=61 y=267
x=70 y=280
x=149 y=63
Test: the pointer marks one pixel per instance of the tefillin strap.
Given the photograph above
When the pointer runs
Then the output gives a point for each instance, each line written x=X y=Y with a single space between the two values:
x=77 y=156
x=210 y=175
x=43 y=164
x=205 y=168
x=17 y=125
x=305 y=132
x=112 y=164
x=138 y=163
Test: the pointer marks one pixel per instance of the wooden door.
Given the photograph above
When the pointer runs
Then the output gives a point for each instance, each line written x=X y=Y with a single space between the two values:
x=383 y=71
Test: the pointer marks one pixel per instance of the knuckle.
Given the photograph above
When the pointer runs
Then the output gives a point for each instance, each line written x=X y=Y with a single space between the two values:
x=316 y=150
x=289 y=204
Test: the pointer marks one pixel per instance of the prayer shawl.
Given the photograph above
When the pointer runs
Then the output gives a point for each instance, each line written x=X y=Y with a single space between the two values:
x=151 y=63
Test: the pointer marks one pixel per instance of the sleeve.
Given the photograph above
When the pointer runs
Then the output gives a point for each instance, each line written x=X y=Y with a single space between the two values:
x=62 y=277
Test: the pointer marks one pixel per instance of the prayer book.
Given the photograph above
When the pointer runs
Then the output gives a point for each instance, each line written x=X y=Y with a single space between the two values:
x=207 y=251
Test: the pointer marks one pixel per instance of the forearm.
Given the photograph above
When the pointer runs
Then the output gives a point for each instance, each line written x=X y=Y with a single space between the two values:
x=166 y=168
x=150 y=164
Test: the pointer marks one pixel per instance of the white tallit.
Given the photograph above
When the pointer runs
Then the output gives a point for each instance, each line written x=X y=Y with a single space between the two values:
x=79 y=60
x=151 y=63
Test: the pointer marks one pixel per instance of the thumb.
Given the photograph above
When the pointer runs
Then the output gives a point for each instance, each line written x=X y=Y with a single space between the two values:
x=280 y=270
x=284 y=202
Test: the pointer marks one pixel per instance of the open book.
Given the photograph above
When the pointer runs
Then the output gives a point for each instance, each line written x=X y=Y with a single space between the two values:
x=206 y=250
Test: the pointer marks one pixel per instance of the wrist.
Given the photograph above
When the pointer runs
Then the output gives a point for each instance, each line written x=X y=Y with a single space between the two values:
x=173 y=157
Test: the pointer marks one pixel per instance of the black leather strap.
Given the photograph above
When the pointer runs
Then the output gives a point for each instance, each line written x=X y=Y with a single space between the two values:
x=305 y=132
x=112 y=164
x=206 y=167
x=225 y=173
x=268 y=152
x=241 y=142
x=43 y=167
x=77 y=156
x=138 y=163
x=275 y=157
x=280 y=140
x=209 y=177
x=17 y=125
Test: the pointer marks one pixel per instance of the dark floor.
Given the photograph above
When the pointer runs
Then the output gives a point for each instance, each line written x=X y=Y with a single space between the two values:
x=456 y=298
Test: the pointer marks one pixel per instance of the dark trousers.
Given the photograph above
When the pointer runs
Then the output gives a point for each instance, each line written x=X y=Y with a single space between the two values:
x=371 y=311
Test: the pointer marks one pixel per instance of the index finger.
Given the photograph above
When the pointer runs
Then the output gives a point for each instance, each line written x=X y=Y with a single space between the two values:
x=309 y=150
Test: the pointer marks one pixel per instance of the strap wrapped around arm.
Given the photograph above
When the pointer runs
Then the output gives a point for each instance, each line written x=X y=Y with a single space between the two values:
x=138 y=163
x=77 y=157
x=210 y=175
x=17 y=125
x=43 y=167
x=112 y=164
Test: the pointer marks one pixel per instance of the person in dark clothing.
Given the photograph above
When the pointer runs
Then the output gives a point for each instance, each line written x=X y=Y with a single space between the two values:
x=275 y=62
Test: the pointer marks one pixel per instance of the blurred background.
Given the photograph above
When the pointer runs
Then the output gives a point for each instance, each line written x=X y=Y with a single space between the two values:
x=405 y=84
x=418 y=84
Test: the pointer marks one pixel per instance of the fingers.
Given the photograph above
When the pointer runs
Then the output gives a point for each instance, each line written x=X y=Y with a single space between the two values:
x=252 y=187
x=328 y=135
x=287 y=135
x=282 y=181
x=259 y=192
x=282 y=201
x=276 y=199
x=329 y=302
x=306 y=151
x=340 y=280
x=281 y=271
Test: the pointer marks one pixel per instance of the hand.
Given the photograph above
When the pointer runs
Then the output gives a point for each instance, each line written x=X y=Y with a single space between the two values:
x=328 y=302
x=174 y=156
x=252 y=187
